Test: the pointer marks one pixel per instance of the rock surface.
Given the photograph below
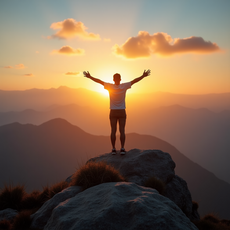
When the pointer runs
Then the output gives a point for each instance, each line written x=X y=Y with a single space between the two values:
x=40 y=218
x=118 y=206
x=8 y=214
x=137 y=166
x=177 y=191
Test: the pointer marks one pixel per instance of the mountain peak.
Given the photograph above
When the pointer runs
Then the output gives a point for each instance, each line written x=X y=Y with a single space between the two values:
x=56 y=121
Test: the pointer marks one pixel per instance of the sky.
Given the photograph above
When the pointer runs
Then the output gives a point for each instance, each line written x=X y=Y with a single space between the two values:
x=48 y=44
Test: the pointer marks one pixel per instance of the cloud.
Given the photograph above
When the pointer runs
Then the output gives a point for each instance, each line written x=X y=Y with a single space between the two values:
x=69 y=28
x=68 y=50
x=72 y=73
x=20 y=66
x=8 y=67
x=144 y=45
x=28 y=75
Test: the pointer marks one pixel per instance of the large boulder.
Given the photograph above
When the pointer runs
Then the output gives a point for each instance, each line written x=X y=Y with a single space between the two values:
x=40 y=218
x=177 y=191
x=139 y=165
x=118 y=206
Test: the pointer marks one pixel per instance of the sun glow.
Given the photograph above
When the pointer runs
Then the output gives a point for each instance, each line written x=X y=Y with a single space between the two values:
x=104 y=92
x=100 y=89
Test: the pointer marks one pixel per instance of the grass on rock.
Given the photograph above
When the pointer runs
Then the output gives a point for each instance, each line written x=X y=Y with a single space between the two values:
x=22 y=221
x=94 y=173
x=212 y=222
x=16 y=198
x=155 y=183
x=11 y=197
x=58 y=187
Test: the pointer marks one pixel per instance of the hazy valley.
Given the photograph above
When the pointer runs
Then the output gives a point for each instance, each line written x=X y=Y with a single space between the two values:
x=198 y=125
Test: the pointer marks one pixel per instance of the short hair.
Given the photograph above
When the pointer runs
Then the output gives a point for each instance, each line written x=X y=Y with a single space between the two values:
x=116 y=76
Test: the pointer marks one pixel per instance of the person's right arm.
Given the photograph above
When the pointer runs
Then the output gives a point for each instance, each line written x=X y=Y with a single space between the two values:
x=87 y=74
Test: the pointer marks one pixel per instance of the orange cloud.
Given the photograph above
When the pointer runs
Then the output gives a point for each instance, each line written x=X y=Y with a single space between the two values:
x=144 y=45
x=28 y=75
x=69 y=28
x=72 y=73
x=20 y=66
x=8 y=67
x=68 y=50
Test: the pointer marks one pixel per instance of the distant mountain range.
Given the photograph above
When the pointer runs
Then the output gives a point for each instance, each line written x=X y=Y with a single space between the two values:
x=200 y=134
x=45 y=154
x=39 y=99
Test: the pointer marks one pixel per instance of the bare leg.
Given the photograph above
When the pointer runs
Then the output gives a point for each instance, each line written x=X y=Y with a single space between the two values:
x=113 y=123
x=122 y=122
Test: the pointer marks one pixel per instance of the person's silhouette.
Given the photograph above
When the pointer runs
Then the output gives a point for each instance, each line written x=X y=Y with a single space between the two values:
x=117 y=93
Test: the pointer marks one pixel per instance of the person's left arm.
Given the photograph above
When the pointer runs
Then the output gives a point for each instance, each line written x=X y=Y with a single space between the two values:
x=145 y=74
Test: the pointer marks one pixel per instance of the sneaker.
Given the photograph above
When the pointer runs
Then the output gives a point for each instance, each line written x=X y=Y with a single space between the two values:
x=114 y=151
x=122 y=151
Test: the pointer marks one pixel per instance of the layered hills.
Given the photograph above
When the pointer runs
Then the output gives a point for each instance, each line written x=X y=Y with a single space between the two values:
x=200 y=134
x=45 y=154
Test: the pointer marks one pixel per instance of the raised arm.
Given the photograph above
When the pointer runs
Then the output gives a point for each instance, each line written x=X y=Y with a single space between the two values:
x=145 y=74
x=87 y=74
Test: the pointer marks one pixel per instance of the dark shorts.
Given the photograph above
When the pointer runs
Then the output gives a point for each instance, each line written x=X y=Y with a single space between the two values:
x=117 y=113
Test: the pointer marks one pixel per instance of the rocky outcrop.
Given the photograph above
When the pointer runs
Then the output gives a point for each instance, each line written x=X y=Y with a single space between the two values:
x=177 y=191
x=118 y=206
x=138 y=165
x=41 y=217
x=123 y=205
x=8 y=214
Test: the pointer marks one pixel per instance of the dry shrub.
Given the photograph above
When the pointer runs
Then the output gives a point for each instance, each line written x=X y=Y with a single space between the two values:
x=44 y=195
x=58 y=187
x=11 y=197
x=212 y=222
x=36 y=199
x=22 y=221
x=94 y=173
x=155 y=183
x=211 y=218
x=32 y=201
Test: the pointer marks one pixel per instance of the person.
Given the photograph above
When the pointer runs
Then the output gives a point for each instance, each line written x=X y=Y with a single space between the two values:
x=117 y=93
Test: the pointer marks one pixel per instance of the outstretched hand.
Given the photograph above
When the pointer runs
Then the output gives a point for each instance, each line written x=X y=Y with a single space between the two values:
x=86 y=74
x=146 y=73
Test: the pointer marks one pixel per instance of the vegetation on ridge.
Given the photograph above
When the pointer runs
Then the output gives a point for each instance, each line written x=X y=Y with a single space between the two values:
x=90 y=174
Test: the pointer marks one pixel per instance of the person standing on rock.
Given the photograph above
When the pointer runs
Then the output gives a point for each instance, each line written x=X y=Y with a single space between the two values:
x=117 y=93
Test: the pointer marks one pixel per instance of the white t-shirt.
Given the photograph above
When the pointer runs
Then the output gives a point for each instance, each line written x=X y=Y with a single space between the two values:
x=117 y=94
